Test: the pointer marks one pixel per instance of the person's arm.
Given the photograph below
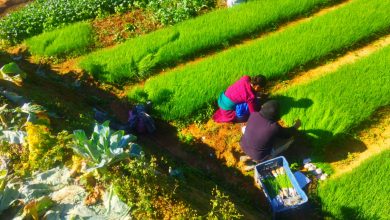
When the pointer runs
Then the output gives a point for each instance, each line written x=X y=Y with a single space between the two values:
x=252 y=105
x=289 y=132
x=250 y=96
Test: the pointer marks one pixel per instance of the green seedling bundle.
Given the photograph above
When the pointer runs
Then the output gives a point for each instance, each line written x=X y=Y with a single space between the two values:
x=182 y=92
x=137 y=57
x=279 y=187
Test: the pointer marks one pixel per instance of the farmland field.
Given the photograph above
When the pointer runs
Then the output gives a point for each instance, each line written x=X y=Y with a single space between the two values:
x=274 y=56
x=356 y=192
x=75 y=141
x=347 y=104
x=162 y=48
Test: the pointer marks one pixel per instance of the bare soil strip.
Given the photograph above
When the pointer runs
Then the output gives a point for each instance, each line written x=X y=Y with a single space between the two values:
x=375 y=137
x=350 y=57
x=8 y=5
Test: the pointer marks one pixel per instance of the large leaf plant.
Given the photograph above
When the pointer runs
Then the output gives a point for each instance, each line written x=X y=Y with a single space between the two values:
x=104 y=147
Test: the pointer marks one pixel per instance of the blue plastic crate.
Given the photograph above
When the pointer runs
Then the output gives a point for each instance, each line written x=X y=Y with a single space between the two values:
x=272 y=164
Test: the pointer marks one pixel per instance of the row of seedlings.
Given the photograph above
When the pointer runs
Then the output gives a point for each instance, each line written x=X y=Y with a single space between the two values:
x=139 y=57
x=180 y=93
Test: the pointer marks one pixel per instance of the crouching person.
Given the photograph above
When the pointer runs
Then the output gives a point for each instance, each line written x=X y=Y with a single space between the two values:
x=239 y=99
x=263 y=137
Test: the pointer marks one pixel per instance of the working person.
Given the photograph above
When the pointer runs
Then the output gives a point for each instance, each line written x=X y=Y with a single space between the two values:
x=239 y=99
x=263 y=137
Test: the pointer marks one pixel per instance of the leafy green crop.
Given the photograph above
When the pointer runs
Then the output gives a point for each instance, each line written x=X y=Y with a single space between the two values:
x=44 y=15
x=182 y=92
x=73 y=39
x=104 y=147
x=340 y=100
x=138 y=57
x=362 y=193
x=174 y=11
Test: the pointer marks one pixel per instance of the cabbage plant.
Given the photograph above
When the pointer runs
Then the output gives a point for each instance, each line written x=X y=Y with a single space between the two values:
x=104 y=147
x=7 y=193
x=11 y=123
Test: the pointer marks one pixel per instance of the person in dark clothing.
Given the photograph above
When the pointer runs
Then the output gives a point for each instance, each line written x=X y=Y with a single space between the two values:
x=263 y=137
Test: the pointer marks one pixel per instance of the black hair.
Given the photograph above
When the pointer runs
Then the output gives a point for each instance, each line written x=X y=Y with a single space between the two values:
x=270 y=110
x=259 y=80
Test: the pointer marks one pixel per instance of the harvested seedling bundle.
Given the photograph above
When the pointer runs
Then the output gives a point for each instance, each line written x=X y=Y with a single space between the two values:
x=279 y=187
x=279 y=184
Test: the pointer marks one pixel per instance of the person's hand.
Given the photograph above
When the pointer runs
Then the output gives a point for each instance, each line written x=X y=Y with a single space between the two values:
x=297 y=124
x=262 y=95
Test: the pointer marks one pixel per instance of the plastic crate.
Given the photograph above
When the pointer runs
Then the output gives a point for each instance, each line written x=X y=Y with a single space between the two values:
x=271 y=164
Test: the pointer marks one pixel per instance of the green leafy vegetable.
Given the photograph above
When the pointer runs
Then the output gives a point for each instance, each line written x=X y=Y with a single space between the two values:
x=104 y=147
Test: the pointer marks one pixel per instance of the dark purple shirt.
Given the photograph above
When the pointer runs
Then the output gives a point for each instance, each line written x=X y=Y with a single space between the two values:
x=260 y=134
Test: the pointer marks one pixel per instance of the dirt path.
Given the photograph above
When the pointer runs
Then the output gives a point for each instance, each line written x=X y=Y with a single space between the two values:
x=350 y=57
x=223 y=138
x=375 y=137
x=8 y=5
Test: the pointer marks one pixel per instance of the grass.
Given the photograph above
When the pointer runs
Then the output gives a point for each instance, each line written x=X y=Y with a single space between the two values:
x=361 y=194
x=180 y=93
x=138 y=57
x=74 y=39
x=337 y=102
x=275 y=184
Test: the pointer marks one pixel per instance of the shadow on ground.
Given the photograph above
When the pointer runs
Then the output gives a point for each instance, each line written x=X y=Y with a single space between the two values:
x=323 y=147
x=198 y=161
x=71 y=98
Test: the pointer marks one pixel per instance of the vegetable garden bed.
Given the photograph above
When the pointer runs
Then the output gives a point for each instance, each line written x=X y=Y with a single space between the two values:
x=180 y=93
x=46 y=15
x=137 y=57
x=42 y=15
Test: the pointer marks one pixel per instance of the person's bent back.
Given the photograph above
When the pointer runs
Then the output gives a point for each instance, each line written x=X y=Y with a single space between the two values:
x=262 y=132
x=239 y=99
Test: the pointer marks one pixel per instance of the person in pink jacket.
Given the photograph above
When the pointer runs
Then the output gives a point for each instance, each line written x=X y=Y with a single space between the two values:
x=239 y=99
